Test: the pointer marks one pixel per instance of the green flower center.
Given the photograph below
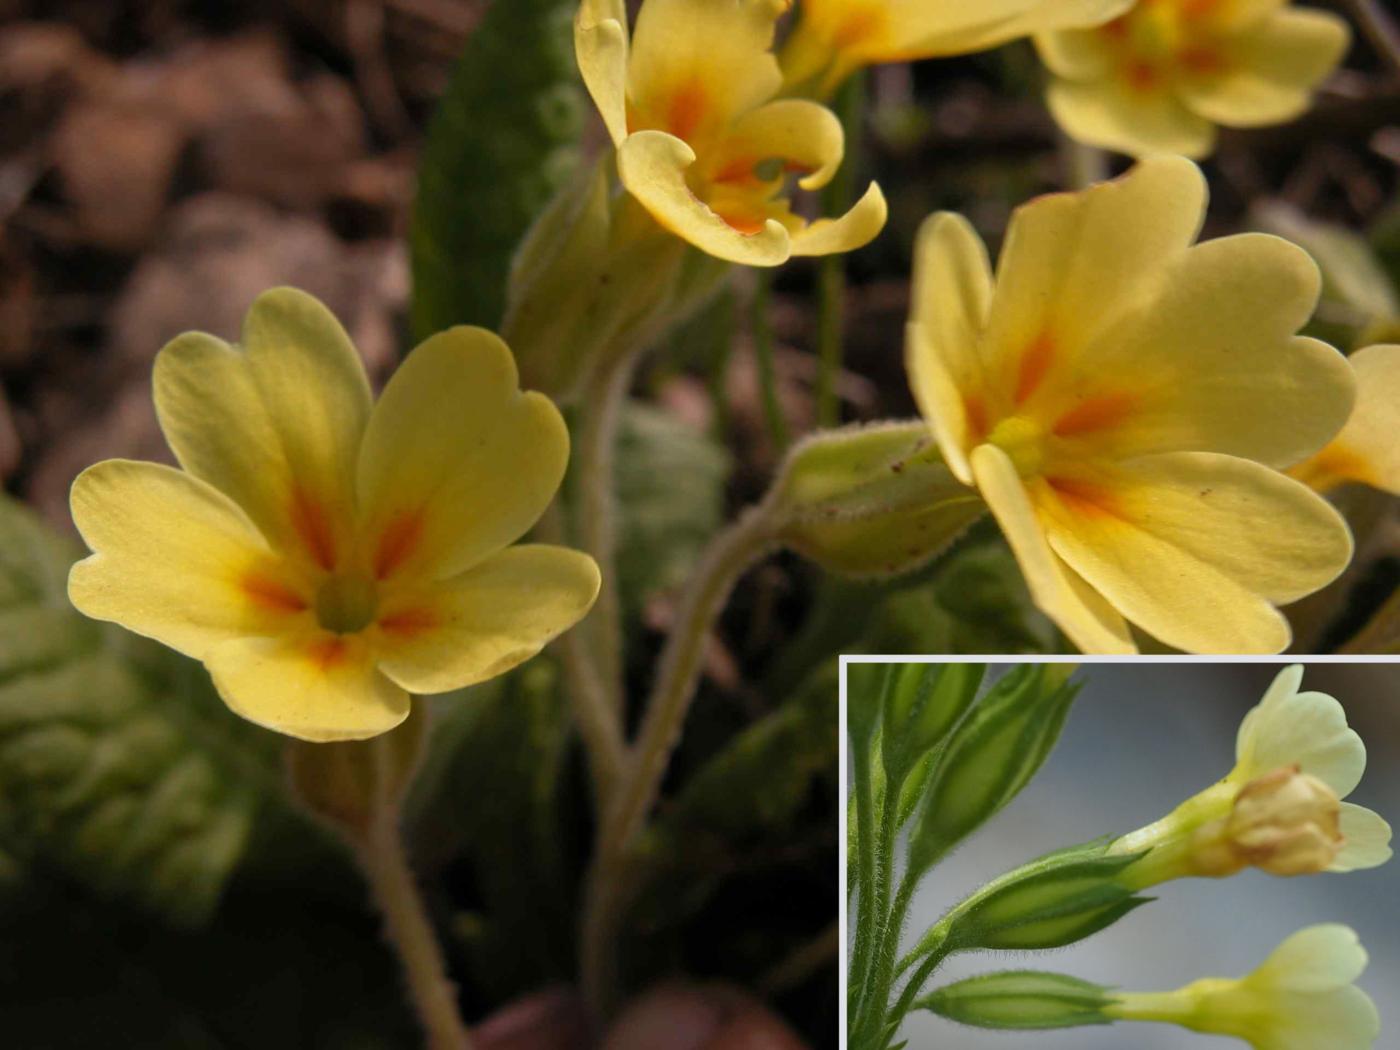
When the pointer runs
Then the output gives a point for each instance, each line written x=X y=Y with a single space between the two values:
x=346 y=603
x=1023 y=440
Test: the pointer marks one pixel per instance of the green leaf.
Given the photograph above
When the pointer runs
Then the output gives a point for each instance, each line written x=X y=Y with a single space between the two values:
x=670 y=488
x=119 y=767
x=503 y=140
x=490 y=793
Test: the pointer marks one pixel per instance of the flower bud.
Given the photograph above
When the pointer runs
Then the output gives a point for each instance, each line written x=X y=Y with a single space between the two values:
x=1285 y=822
x=1020 y=999
x=872 y=501
x=990 y=758
x=1057 y=900
x=921 y=707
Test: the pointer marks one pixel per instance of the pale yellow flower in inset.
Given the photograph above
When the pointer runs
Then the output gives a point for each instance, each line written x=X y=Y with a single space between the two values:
x=1279 y=809
x=1301 y=998
x=703 y=142
x=325 y=556
x=1161 y=78
x=1124 y=402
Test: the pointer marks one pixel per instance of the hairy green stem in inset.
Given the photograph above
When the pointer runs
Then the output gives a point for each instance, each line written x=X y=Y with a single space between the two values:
x=609 y=883
x=1379 y=28
x=381 y=855
x=603 y=397
x=882 y=972
x=831 y=280
x=761 y=329
x=867 y=915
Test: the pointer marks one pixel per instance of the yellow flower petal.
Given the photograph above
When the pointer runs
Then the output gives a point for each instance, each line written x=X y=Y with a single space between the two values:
x=1316 y=959
x=1113 y=115
x=857 y=228
x=172 y=557
x=1368 y=449
x=276 y=425
x=696 y=65
x=486 y=621
x=601 y=47
x=1089 y=621
x=1304 y=729
x=1270 y=70
x=1076 y=54
x=947 y=28
x=807 y=137
x=315 y=686
x=951 y=294
x=457 y=462
x=1175 y=527
x=652 y=165
x=1211 y=362
x=1074 y=262
x=1367 y=840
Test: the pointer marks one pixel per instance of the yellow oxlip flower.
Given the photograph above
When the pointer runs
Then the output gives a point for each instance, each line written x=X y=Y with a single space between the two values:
x=834 y=38
x=689 y=101
x=1368 y=448
x=1301 y=998
x=1163 y=76
x=1279 y=808
x=1121 y=399
x=325 y=556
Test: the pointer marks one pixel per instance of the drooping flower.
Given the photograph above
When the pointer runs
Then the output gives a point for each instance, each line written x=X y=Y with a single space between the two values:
x=1279 y=808
x=325 y=556
x=1301 y=998
x=1160 y=78
x=1121 y=400
x=834 y=38
x=702 y=141
x=1368 y=448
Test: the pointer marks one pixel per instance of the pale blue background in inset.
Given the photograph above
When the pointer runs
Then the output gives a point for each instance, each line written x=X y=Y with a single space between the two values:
x=1141 y=738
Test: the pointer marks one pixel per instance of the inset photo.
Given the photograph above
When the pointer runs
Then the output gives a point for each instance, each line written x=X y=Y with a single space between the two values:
x=1091 y=856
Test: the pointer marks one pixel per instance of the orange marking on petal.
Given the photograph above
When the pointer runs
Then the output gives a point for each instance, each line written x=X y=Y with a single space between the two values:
x=1334 y=465
x=1201 y=59
x=271 y=595
x=976 y=411
x=313 y=526
x=1095 y=413
x=407 y=623
x=1141 y=76
x=1117 y=29
x=329 y=651
x=1085 y=497
x=397 y=542
x=740 y=169
x=1035 y=363
x=861 y=25
x=687 y=109
x=746 y=223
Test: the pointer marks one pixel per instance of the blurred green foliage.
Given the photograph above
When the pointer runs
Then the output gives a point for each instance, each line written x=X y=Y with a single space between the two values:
x=502 y=141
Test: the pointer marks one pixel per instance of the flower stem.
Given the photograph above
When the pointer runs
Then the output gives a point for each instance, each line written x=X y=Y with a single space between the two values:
x=611 y=877
x=598 y=724
x=603 y=397
x=761 y=329
x=831 y=286
x=1379 y=28
x=381 y=855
